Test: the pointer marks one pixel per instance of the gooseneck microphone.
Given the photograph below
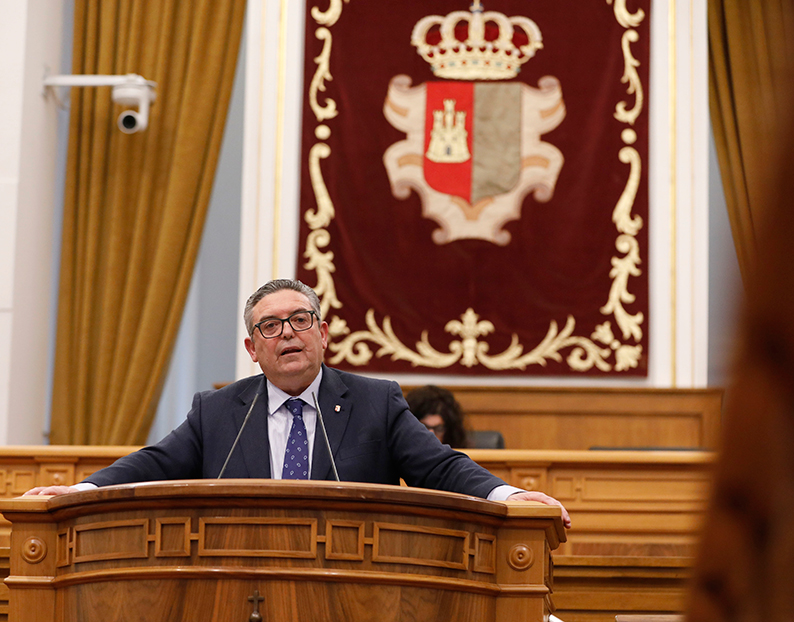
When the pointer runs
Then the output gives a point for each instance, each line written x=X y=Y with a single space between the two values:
x=239 y=434
x=325 y=436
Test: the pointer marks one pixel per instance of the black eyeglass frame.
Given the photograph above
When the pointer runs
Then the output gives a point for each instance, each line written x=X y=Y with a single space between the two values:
x=312 y=315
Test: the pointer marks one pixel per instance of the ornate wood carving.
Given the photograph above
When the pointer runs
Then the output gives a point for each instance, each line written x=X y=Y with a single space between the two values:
x=33 y=550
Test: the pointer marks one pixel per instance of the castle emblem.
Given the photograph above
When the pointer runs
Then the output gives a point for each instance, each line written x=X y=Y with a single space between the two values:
x=472 y=149
x=448 y=138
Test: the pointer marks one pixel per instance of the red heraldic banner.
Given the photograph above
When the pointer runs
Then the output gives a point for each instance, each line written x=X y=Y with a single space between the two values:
x=474 y=194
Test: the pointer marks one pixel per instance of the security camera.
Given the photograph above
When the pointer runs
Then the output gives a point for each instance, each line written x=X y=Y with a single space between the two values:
x=134 y=92
x=128 y=90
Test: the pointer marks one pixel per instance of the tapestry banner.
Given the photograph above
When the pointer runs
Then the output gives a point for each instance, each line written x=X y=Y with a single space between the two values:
x=474 y=192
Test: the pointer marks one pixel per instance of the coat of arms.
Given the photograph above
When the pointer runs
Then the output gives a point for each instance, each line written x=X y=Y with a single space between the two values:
x=473 y=147
x=500 y=229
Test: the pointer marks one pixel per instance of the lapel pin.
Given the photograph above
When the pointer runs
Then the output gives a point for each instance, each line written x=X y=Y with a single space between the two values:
x=337 y=408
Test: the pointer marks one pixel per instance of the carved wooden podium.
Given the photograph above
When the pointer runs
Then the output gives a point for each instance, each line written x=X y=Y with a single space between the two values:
x=248 y=550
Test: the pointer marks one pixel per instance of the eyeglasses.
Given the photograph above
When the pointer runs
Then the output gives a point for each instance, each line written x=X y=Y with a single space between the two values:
x=437 y=429
x=273 y=327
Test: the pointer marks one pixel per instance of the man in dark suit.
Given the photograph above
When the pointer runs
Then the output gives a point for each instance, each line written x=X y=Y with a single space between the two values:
x=372 y=434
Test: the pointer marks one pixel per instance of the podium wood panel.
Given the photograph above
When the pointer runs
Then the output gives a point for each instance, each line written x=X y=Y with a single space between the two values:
x=202 y=550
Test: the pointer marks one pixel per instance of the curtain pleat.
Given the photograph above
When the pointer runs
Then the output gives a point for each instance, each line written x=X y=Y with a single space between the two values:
x=751 y=56
x=135 y=206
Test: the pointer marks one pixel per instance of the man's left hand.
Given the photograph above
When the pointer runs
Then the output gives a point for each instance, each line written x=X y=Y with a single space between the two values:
x=534 y=495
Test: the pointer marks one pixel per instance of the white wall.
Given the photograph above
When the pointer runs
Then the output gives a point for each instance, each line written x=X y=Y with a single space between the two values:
x=726 y=292
x=30 y=40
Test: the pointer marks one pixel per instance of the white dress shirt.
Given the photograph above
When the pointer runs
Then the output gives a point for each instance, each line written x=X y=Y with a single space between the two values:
x=279 y=422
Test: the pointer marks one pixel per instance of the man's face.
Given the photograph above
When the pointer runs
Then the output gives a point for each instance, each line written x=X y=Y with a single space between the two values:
x=292 y=360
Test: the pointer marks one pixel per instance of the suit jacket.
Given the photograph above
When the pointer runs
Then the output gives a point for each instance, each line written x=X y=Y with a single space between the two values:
x=373 y=436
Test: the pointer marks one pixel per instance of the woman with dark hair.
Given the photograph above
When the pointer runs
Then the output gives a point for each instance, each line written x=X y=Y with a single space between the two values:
x=438 y=409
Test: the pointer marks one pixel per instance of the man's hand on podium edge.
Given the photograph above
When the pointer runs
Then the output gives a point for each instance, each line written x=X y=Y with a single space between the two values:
x=50 y=490
x=534 y=495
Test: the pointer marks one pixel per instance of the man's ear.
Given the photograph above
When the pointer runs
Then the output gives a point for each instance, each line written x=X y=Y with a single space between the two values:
x=324 y=334
x=249 y=345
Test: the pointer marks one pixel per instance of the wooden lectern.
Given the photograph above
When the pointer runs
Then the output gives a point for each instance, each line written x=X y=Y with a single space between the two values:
x=250 y=550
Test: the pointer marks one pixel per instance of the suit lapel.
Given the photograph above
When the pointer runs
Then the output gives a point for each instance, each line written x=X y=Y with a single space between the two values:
x=254 y=442
x=335 y=409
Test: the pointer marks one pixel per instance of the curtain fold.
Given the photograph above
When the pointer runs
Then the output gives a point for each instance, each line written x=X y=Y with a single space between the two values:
x=135 y=206
x=750 y=63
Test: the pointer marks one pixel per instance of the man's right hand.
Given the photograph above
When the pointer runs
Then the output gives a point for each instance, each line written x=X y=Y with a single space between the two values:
x=51 y=490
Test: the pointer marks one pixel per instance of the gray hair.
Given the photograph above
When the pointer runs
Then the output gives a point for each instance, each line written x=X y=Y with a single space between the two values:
x=272 y=287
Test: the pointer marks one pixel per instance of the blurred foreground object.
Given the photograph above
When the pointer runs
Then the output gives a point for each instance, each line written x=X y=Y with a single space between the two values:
x=746 y=564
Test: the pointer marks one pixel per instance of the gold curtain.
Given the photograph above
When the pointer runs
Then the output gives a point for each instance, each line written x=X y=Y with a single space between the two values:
x=751 y=47
x=135 y=205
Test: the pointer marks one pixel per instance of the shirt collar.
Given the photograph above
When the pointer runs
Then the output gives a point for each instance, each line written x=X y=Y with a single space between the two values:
x=276 y=397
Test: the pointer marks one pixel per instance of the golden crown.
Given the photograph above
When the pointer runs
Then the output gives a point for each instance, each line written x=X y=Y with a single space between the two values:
x=493 y=47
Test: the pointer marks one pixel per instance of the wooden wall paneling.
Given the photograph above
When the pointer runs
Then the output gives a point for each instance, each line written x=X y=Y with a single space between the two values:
x=596 y=589
x=647 y=503
x=5 y=567
x=582 y=418
x=23 y=467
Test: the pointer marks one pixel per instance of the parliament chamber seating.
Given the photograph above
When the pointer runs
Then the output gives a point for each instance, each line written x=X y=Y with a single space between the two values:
x=486 y=439
x=636 y=513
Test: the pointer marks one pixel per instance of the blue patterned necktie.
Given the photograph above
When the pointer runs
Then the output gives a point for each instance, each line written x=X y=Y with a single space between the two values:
x=296 y=458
